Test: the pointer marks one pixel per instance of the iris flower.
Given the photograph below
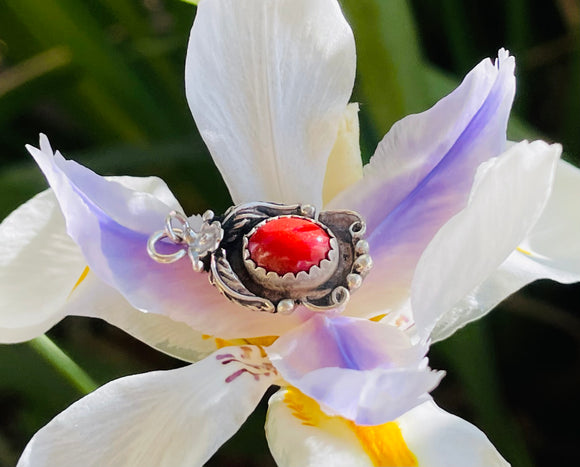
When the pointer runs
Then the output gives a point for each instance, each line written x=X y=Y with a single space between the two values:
x=457 y=219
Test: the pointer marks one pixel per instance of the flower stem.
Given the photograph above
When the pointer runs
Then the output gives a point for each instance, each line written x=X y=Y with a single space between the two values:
x=63 y=364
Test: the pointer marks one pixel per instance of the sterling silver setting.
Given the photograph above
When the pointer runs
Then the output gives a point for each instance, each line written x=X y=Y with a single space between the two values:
x=219 y=246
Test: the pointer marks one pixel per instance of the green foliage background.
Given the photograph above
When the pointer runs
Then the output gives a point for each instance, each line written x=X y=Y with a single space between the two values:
x=104 y=79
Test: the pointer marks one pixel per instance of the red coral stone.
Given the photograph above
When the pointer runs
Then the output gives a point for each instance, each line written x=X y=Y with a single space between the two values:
x=289 y=244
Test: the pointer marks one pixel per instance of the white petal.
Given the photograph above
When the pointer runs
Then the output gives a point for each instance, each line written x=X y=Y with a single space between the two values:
x=39 y=265
x=344 y=163
x=439 y=439
x=507 y=199
x=301 y=435
x=162 y=419
x=551 y=250
x=40 y=268
x=92 y=297
x=267 y=83
x=554 y=242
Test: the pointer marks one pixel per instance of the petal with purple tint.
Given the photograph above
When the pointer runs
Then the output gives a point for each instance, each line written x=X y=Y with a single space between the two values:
x=365 y=371
x=112 y=223
x=267 y=84
x=508 y=197
x=421 y=175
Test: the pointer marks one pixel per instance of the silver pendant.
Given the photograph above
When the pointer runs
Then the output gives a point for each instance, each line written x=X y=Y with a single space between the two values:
x=225 y=246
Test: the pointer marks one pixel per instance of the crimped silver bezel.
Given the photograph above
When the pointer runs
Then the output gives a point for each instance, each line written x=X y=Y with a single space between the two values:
x=293 y=284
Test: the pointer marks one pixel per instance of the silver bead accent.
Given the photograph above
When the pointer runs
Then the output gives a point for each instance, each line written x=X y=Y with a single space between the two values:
x=353 y=281
x=362 y=247
x=363 y=263
x=286 y=306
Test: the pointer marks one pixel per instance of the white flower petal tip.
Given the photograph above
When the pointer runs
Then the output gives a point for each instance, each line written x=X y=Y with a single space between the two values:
x=508 y=196
x=267 y=84
x=39 y=266
x=300 y=434
x=364 y=371
x=553 y=242
x=151 y=419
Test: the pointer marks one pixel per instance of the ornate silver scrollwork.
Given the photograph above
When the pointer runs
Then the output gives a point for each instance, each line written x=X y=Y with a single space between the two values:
x=220 y=247
x=199 y=243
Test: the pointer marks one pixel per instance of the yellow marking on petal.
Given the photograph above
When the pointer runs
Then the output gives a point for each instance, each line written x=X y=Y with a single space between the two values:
x=221 y=343
x=304 y=408
x=377 y=318
x=80 y=280
x=344 y=166
x=384 y=444
x=525 y=252
x=263 y=341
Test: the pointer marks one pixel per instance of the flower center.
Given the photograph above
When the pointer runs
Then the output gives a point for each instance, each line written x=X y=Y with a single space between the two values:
x=289 y=244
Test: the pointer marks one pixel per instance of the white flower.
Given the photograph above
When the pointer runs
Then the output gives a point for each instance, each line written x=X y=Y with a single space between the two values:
x=456 y=222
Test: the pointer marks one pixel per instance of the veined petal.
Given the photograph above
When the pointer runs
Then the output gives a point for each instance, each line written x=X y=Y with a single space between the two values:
x=111 y=223
x=364 y=371
x=300 y=434
x=39 y=265
x=549 y=251
x=508 y=197
x=421 y=175
x=162 y=419
x=267 y=83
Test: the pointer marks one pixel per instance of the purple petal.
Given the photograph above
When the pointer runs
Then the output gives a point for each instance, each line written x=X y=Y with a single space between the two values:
x=422 y=173
x=112 y=224
x=364 y=371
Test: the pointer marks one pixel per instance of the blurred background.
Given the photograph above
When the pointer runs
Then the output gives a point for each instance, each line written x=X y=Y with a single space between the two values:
x=104 y=79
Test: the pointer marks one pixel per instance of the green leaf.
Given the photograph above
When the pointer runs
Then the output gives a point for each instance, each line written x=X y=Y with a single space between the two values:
x=102 y=65
x=470 y=357
x=391 y=76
